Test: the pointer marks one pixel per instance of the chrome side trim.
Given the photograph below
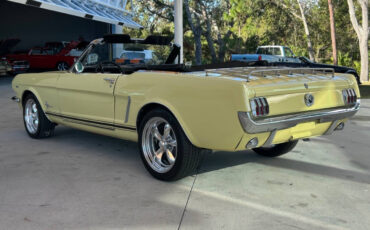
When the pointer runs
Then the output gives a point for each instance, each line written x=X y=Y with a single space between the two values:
x=251 y=125
x=100 y=124
x=128 y=109
x=16 y=99
x=88 y=124
x=269 y=140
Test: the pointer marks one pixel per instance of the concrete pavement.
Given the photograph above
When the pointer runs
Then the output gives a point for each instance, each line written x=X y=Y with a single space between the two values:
x=78 y=180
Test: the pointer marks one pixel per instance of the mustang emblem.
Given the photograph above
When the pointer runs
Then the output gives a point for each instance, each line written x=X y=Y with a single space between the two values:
x=309 y=99
x=305 y=85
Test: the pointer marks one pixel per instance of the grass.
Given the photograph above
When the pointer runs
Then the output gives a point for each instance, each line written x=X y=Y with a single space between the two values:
x=365 y=90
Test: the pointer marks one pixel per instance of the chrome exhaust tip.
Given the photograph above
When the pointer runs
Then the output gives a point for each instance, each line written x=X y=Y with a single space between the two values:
x=252 y=143
x=339 y=127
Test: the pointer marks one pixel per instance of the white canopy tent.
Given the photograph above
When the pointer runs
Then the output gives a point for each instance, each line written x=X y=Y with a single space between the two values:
x=108 y=11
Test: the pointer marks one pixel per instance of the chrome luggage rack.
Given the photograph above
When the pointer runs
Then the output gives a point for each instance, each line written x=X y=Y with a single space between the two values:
x=248 y=72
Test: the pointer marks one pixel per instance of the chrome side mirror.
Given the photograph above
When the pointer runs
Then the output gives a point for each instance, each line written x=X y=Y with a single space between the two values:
x=79 y=67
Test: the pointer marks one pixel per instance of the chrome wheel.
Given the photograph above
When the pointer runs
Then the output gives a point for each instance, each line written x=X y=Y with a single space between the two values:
x=159 y=145
x=31 y=116
x=62 y=66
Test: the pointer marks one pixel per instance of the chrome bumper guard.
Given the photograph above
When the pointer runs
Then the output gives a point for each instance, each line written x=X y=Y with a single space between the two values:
x=251 y=125
x=16 y=99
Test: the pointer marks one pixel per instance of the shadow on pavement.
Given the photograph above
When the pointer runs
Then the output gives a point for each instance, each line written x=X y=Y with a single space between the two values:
x=109 y=146
x=220 y=160
x=98 y=177
x=211 y=161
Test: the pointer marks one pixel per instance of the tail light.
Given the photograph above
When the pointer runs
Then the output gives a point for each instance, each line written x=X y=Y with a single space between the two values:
x=259 y=58
x=260 y=107
x=349 y=96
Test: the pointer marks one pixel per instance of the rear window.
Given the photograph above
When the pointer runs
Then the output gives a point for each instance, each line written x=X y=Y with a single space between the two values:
x=276 y=51
x=36 y=51
x=269 y=51
x=262 y=51
x=49 y=52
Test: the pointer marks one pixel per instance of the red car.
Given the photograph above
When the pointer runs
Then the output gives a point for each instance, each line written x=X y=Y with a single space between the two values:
x=50 y=57
x=7 y=66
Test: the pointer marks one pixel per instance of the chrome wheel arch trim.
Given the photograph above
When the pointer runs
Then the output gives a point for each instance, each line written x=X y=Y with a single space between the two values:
x=160 y=104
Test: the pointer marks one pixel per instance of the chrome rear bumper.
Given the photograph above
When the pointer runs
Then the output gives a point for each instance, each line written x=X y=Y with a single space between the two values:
x=251 y=125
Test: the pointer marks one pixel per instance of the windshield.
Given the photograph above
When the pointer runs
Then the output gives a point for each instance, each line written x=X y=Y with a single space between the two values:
x=37 y=51
x=305 y=60
x=288 y=52
x=131 y=54
x=269 y=51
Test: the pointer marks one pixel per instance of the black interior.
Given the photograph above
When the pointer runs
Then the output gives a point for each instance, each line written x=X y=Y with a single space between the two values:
x=126 y=39
x=110 y=67
x=170 y=65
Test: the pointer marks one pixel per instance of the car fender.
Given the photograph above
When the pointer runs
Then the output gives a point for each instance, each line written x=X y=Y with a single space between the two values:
x=206 y=108
x=36 y=94
x=42 y=85
x=185 y=127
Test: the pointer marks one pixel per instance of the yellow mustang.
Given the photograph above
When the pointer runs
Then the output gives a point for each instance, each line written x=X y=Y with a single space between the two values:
x=175 y=112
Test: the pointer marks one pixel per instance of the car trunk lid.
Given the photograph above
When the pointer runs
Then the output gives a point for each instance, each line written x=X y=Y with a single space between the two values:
x=285 y=88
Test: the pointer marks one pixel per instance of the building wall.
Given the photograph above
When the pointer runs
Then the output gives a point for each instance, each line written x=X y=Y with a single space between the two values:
x=36 y=26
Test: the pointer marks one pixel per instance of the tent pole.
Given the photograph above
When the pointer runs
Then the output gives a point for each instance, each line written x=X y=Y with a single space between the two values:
x=179 y=27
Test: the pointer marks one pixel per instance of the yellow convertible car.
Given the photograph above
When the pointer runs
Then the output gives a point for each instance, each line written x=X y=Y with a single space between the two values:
x=175 y=112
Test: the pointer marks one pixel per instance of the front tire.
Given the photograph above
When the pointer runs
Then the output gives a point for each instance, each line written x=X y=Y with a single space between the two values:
x=276 y=150
x=36 y=123
x=165 y=150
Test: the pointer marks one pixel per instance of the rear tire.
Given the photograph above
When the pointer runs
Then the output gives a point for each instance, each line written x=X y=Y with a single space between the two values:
x=62 y=66
x=165 y=150
x=276 y=150
x=36 y=123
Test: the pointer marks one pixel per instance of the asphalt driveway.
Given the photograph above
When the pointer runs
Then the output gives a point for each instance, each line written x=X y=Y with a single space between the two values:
x=77 y=180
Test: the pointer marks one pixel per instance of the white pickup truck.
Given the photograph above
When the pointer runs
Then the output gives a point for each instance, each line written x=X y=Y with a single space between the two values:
x=283 y=56
x=269 y=54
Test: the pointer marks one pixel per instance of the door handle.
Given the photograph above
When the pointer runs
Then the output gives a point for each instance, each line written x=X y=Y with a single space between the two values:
x=110 y=80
